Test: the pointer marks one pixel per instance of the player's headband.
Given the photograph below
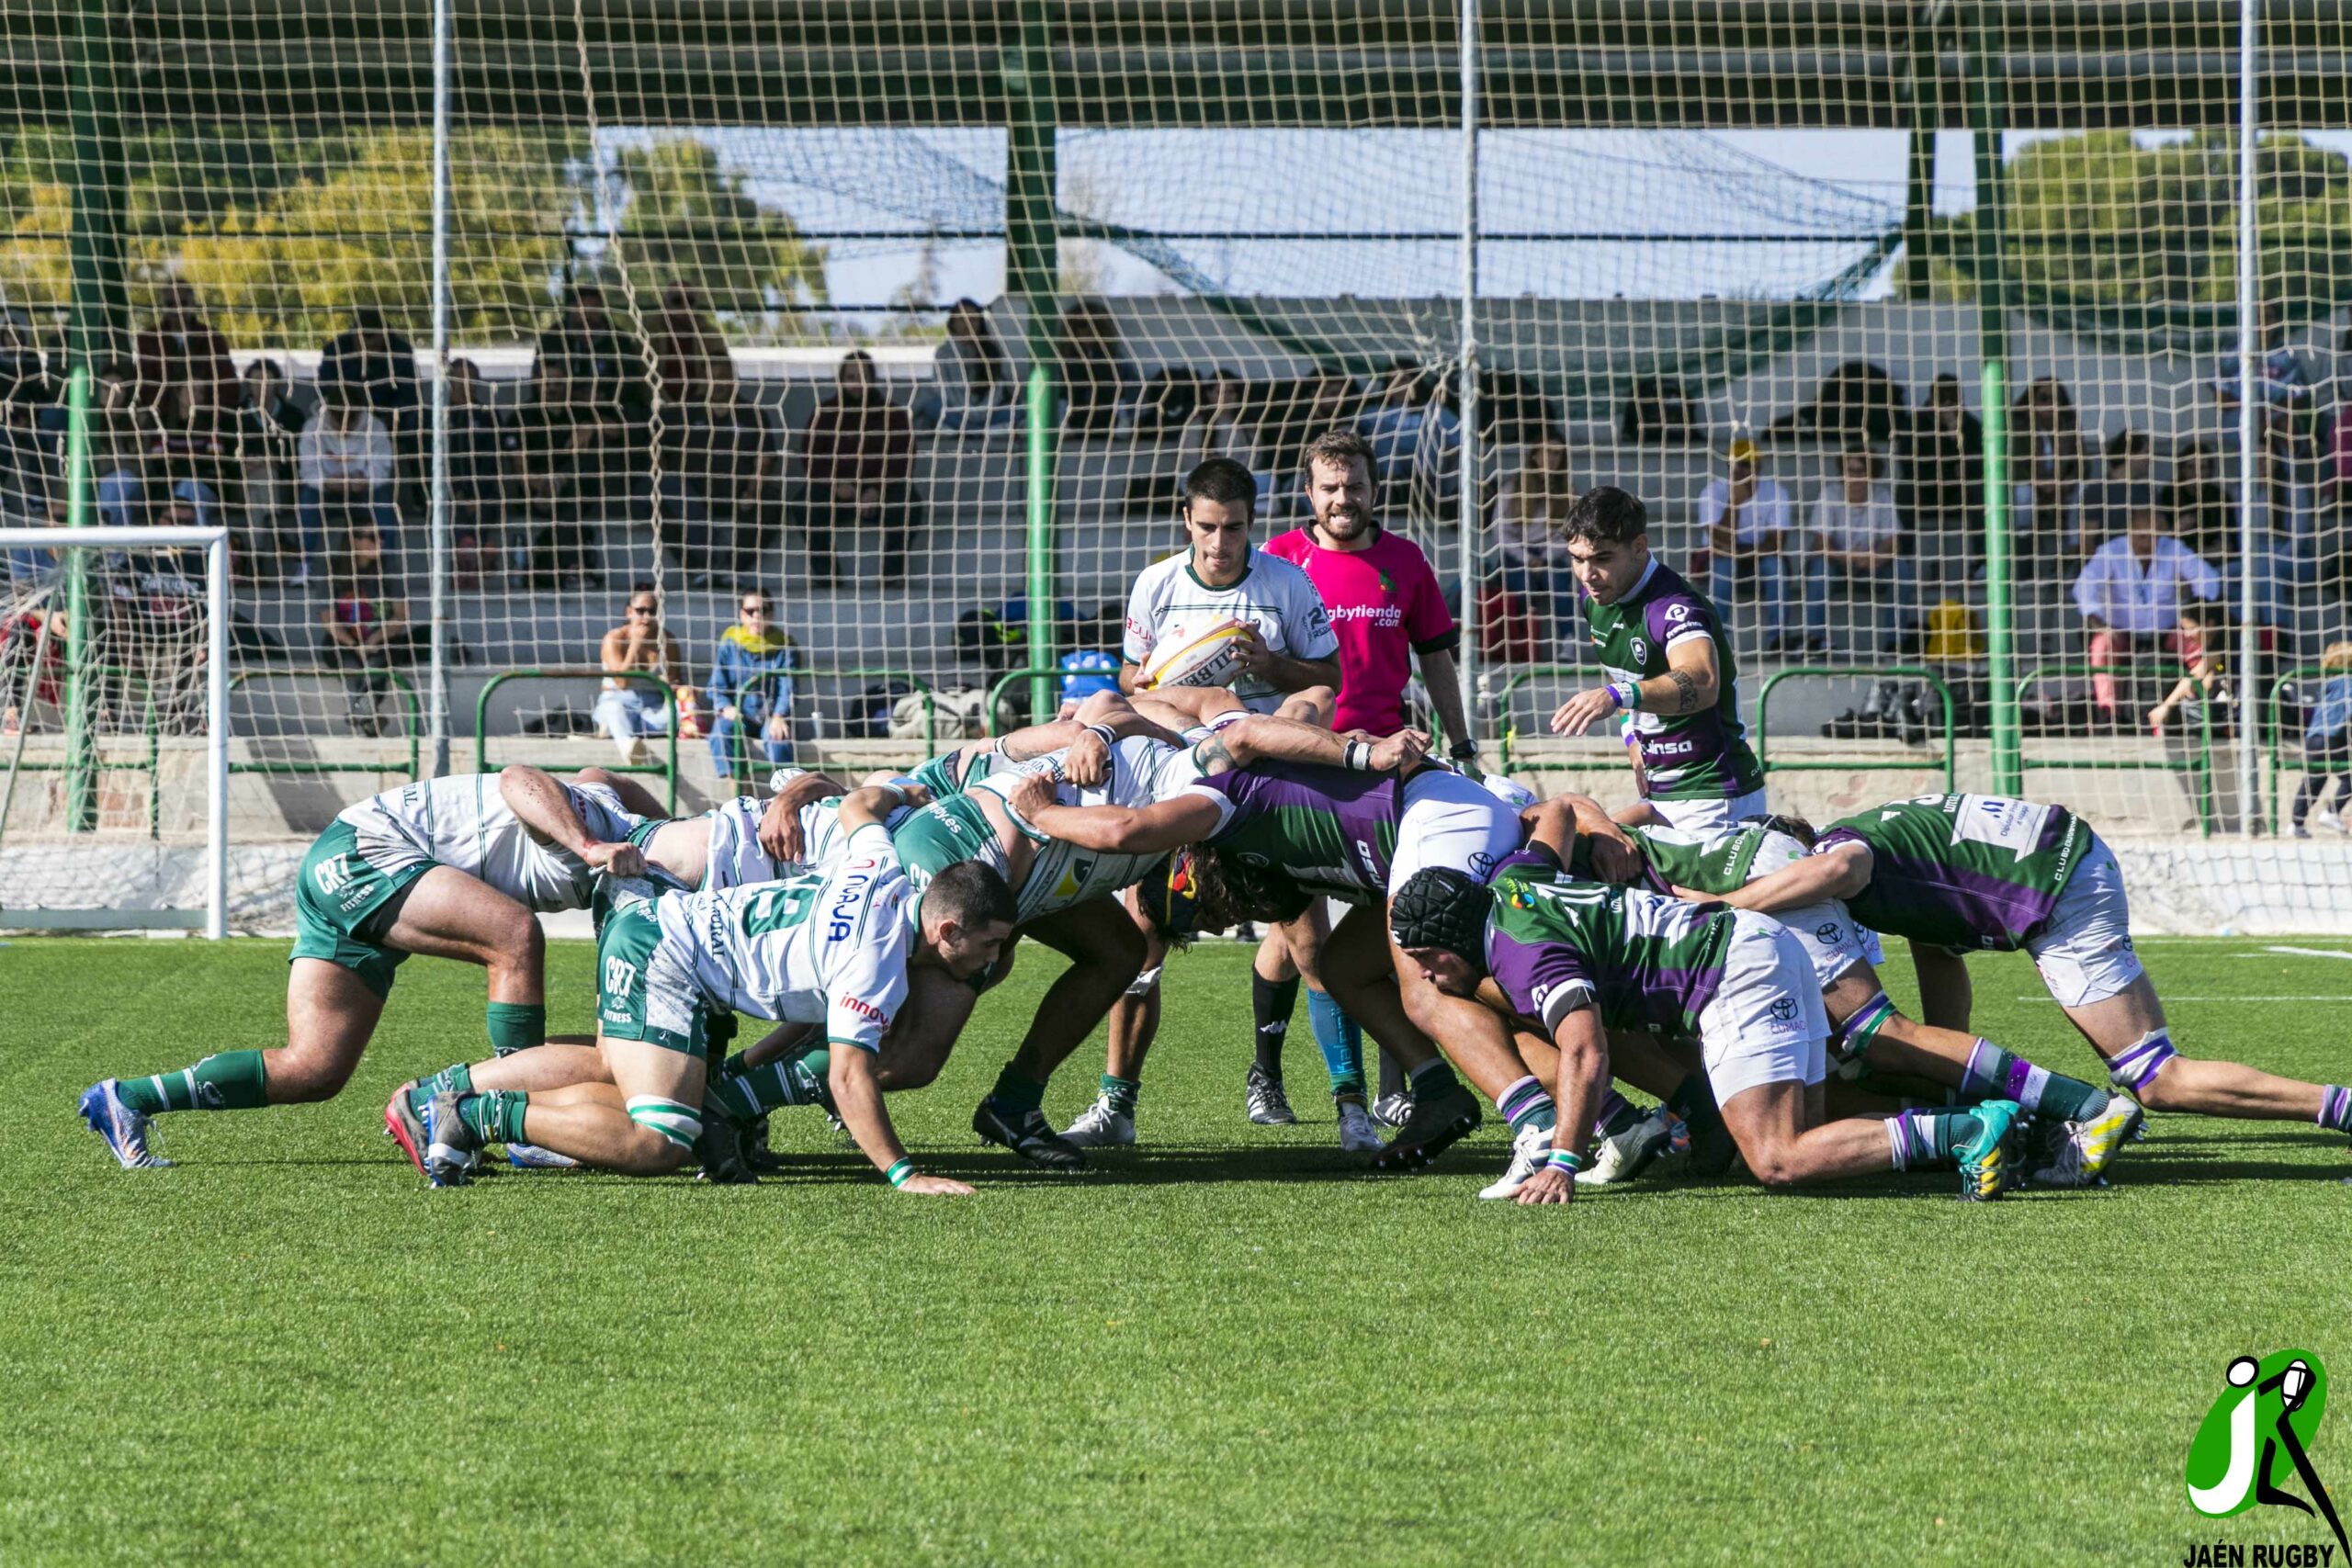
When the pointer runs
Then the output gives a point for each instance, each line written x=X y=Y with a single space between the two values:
x=1171 y=898
x=1444 y=908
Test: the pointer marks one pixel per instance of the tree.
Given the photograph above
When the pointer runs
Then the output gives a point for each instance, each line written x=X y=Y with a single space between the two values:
x=685 y=220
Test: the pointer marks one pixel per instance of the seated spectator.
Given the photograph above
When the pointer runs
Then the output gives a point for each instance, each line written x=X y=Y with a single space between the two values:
x=193 y=443
x=856 y=459
x=2208 y=651
x=2131 y=591
x=972 y=386
x=381 y=366
x=479 y=439
x=553 y=449
x=2327 y=746
x=715 y=462
x=343 y=467
x=1942 y=493
x=1532 y=562
x=1749 y=520
x=2129 y=461
x=268 y=424
x=1857 y=562
x=750 y=691
x=1097 y=378
x=628 y=711
x=368 y=629
x=182 y=350
x=2049 y=462
x=1416 y=438
x=2205 y=516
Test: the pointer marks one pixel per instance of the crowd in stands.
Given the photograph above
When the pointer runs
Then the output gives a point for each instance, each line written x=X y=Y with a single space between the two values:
x=324 y=493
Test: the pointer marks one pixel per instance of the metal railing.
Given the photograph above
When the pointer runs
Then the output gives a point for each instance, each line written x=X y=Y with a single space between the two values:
x=744 y=737
x=667 y=769
x=411 y=702
x=1882 y=764
x=152 y=762
x=2198 y=765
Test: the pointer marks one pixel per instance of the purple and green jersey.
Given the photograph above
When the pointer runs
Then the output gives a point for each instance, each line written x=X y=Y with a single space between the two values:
x=1693 y=756
x=1963 y=871
x=1642 y=961
x=1330 y=830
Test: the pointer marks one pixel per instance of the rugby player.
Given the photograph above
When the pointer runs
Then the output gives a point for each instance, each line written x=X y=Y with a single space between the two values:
x=1669 y=667
x=1959 y=874
x=1580 y=959
x=445 y=868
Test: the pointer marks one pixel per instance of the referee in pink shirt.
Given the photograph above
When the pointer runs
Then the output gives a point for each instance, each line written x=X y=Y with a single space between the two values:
x=1385 y=605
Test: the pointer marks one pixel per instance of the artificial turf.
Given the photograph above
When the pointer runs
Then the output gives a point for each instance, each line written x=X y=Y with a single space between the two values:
x=1228 y=1347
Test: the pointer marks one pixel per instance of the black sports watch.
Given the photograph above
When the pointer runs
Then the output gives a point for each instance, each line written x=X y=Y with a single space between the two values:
x=1463 y=750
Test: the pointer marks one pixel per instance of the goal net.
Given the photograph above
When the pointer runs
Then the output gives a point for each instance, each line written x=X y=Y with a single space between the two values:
x=1916 y=328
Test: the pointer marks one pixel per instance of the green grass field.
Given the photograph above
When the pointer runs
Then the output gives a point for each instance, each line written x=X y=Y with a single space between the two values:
x=1228 y=1348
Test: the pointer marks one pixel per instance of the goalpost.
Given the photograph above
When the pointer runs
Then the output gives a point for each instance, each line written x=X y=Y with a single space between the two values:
x=91 y=862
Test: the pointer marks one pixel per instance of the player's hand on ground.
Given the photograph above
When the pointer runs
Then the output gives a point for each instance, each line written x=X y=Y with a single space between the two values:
x=1031 y=795
x=614 y=860
x=1583 y=711
x=936 y=1187
x=1400 y=751
x=1087 y=762
x=1549 y=1185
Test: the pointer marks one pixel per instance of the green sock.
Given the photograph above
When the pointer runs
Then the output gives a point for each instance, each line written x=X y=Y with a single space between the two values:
x=1434 y=1078
x=228 y=1081
x=748 y=1095
x=457 y=1077
x=1017 y=1092
x=496 y=1116
x=2066 y=1099
x=515 y=1026
x=1122 y=1093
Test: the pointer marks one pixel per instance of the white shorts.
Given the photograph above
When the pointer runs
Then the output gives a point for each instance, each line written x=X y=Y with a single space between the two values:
x=1832 y=941
x=2085 y=955
x=1449 y=820
x=1711 y=815
x=1766 y=1024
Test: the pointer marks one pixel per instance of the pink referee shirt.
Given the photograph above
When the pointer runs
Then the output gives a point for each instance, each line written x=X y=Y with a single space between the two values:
x=1385 y=606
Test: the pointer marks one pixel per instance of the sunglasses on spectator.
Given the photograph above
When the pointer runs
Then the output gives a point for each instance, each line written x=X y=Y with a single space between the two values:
x=641 y=610
x=755 y=609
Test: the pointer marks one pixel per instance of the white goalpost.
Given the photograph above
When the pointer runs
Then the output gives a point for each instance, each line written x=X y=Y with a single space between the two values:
x=68 y=872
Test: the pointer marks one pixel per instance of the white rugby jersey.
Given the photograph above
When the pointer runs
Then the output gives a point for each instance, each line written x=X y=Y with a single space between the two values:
x=1143 y=772
x=735 y=857
x=463 y=822
x=829 y=947
x=1169 y=604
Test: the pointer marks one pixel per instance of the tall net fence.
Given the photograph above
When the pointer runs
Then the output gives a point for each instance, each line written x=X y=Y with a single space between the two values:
x=747 y=306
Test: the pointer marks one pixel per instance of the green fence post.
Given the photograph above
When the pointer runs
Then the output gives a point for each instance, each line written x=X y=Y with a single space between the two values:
x=1031 y=267
x=1992 y=305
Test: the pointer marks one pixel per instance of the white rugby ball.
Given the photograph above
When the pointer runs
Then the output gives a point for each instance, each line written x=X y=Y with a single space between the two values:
x=1209 y=657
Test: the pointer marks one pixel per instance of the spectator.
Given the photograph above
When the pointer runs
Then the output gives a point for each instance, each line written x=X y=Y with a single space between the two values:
x=1531 y=504
x=628 y=711
x=191 y=442
x=1858 y=560
x=2207 y=643
x=715 y=462
x=2050 y=462
x=2204 y=518
x=971 y=377
x=1416 y=438
x=855 y=458
x=381 y=364
x=598 y=376
x=1942 y=493
x=30 y=493
x=268 y=422
x=2327 y=745
x=1857 y=404
x=479 y=441
x=2130 y=461
x=182 y=350
x=344 y=471
x=2129 y=593
x=367 y=629
x=1097 y=377
x=554 y=446
x=1748 y=519
x=751 y=686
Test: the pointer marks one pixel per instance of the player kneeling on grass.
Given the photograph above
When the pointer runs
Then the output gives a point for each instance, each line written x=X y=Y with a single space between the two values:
x=1580 y=959
x=834 y=948
x=450 y=868
x=1954 y=873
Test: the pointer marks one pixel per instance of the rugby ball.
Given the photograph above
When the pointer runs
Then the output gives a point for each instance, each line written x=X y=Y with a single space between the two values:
x=1209 y=657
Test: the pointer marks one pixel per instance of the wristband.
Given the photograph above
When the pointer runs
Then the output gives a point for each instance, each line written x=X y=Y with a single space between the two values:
x=1358 y=755
x=1628 y=697
x=1463 y=750
x=900 y=1174
x=1567 y=1160
x=1104 y=731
